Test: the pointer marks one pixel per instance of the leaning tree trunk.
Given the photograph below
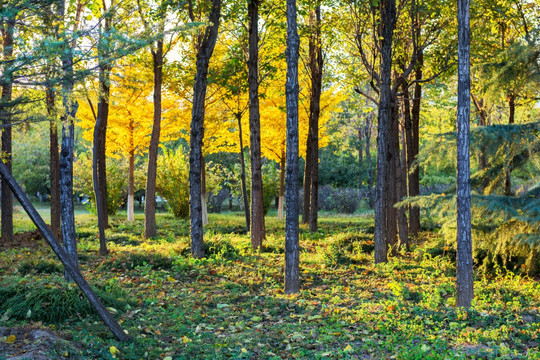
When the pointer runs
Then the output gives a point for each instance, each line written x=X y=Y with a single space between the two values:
x=243 y=171
x=464 y=263
x=150 y=196
x=5 y=112
x=54 y=168
x=206 y=43
x=384 y=142
x=292 y=266
x=257 y=204
x=316 y=68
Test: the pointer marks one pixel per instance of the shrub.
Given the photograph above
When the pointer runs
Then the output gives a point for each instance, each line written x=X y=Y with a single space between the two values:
x=172 y=182
x=340 y=200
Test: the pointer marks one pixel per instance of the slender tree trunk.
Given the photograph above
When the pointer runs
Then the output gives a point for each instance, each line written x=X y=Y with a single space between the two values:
x=384 y=139
x=464 y=273
x=204 y=195
x=8 y=28
x=392 y=184
x=360 y=153
x=205 y=45
x=257 y=204
x=131 y=190
x=150 y=195
x=512 y=108
x=54 y=171
x=403 y=225
x=483 y=121
x=414 y=175
x=306 y=197
x=511 y=120
x=367 y=135
x=281 y=187
x=292 y=248
x=316 y=70
x=243 y=171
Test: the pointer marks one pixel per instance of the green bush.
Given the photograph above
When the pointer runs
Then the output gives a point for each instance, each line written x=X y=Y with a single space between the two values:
x=172 y=182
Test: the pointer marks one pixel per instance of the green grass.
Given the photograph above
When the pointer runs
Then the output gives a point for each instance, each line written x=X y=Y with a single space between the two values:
x=231 y=305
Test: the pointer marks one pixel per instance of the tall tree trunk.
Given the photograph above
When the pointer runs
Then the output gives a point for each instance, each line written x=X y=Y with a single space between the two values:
x=403 y=225
x=360 y=153
x=367 y=135
x=385 y=162
x=306 y=197
x=512 y=108
x=281 y=187
x=204 y=195
x=414 y=143
x=99 y=157
x=205 y=45
x=257 y=204
x=243 y=171
x=8 y=27
x=292 y=247
x=131 y=187
x=316 y=70
x=511 y=120
x=464 y=272
x=483 y=121
x=150 y=195
x=392 y=184
x=54 y=168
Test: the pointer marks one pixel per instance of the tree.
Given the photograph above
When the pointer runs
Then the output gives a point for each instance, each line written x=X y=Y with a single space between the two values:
x=257 y=203
x=464 y=262
x=9 y=16
x=204 y=43
x=292 y=266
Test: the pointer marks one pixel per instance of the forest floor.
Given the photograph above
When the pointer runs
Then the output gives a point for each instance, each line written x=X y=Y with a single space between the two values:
x=231 y=304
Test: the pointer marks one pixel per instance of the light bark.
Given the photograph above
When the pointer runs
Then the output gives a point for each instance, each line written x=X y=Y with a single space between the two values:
x=281 y=197
x=464 y=271
x=243 y=171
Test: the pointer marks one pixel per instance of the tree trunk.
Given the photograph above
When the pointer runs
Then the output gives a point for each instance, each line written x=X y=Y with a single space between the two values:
x=401 y=170
x=281 y=187
x=257 y=204
x=367 y=135
x=511 y=119
x=306 y=197
x=292 y=248
x=204 y=195
x=131 y=191
x=392 y=184
x=414 y=143
x=316 y=69
x=205 y=45
x=360 y=153
x=54 y=171
x=150 y=195
x=512 y=108
x=5 y=112
x=464 y=272
x=385 y=161
x=243 y=171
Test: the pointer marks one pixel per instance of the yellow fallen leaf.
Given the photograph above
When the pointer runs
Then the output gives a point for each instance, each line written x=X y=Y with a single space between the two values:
x=348 y=348
x=171 y=279
x=244 y=350
x=185 y=339
x=11 y=339
x=113 y=350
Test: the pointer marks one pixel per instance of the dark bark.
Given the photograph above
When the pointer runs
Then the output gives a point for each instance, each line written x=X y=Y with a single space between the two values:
x=401 y=174
x=385 y=161
x=392 y=185
x=511 y=120
x=66 y=259
x=292 y=266
x=205 y=47
x=257 y=204
x=204 y=195
x=8 y=27
x=243 y=171
x=54 y=169
x=360 y=152
x=316 y=71
x=412 y=154
x=464 y=272
x=306 y=197
x=150 y=195
x=367 y=135
x=281 y=186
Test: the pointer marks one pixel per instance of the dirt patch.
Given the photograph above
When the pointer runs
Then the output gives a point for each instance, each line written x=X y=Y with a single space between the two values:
x=27 y=239
x=32 y=343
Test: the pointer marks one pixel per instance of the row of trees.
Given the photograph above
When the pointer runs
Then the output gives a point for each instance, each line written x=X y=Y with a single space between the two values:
x=210 y=80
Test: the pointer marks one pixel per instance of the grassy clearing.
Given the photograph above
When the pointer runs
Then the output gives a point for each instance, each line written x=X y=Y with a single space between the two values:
x=231 y=305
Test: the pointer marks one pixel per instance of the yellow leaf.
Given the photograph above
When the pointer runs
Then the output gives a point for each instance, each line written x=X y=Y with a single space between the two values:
x=113 y=350
x=244 y=350
x=348 y=348
x=171 y=279
x=185 y=339
x=10 y=339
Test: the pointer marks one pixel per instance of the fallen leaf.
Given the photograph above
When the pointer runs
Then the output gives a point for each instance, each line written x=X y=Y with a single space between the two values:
x=348 y=348
x=113 y=350
x=11 y=339
x=185 y=339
